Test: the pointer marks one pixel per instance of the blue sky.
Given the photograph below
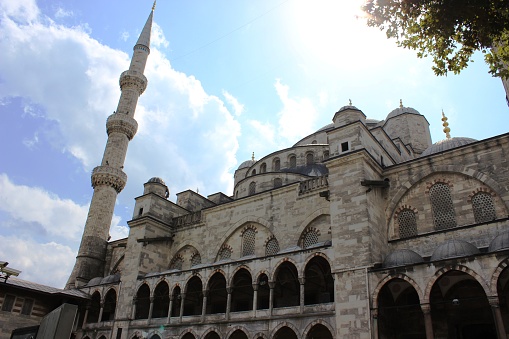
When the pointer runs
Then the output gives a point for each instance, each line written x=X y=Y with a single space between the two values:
x=226 y=78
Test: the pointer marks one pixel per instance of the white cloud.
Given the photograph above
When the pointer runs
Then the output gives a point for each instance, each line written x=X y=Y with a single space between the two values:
x=30 y=143
x=48 y=264
x=157 y=38
x=20 y=10
x=238 y=108
x=62 y=13
x=124 y=35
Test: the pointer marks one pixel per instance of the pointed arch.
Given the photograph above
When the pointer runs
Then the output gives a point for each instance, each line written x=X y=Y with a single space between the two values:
x=110 y=305
x=285 y=324
x=439 y=273
x=314 y=323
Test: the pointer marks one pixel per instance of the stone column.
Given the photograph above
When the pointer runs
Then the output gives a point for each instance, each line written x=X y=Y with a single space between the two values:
x=302 y=281
x=101 y=310
x=204 y=305
x=374 y=315
x=229 y=290
x=182 y=301
x=86 y=315
x=255 y=298
x=499 y=322
x=428 y=323
x=133 y=315
x=170 y=308
x=151 y=308
x=272 y=284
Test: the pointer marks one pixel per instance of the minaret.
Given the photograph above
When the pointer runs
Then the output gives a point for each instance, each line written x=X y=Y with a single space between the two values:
x=108 y=179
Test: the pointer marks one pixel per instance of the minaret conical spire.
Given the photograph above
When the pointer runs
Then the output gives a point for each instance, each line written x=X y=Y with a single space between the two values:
x=109 y=179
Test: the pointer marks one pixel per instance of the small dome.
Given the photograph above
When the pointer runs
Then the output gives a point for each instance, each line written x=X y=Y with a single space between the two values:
x=246 y=164
x=344 y=108
x=326 y=127
x=114 y=278
x=501 y=242
x=372 y=121
x=402 y=110
x=95 y=281
x=156 y=180
x=401 y=258
x=447 y=144
x=454 y=249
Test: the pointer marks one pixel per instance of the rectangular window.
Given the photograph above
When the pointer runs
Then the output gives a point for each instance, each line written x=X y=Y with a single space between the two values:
x=8 y=303
x=27 y=306
x=344 y=147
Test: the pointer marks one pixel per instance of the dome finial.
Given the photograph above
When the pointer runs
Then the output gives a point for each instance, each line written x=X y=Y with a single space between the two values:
x=400 y=103
x=154 y=6
x=252 y=157
x=446 y=126
x=349 y=102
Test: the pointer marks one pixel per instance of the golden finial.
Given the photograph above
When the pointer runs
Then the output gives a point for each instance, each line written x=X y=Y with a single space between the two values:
x=154 y=6
x=400 y=103
x=446 y=126
x=252 y=157
x=349 y=102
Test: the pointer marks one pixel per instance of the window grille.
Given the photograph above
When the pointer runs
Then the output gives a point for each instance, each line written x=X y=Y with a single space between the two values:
x=310 y=239
x=195 y=259
x=248 y=242
x=8 y=302
x=177 y=263
x=225 y=253
x=484 y=209
x=278 y=182
x=263 y=168
x=310 y=158
x=277 y=165
x=293 y=161
x=252 y=188
x=272 y=247
x=442 y=206
x=407 y=223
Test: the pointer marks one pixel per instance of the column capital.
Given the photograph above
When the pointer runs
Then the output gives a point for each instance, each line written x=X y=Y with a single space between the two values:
x=494 y=301
x=255 y=287
x=426 y=308
x=272 y=284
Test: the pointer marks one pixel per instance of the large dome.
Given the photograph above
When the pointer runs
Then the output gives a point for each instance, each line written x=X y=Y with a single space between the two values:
x=447 y=144
x=401 y=258
x=454 y=249
x=402 y=110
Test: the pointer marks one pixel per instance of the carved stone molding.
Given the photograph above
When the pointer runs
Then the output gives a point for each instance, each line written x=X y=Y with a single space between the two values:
x=133 y=79
x=109 y=176
x=121 y=123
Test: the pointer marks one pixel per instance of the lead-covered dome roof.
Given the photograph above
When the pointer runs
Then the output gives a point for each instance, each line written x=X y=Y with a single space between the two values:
x=402 y=110
x=246 y=164
x=454 y=249
x=156 y=180
x=447 y=144
x=401 y=258
x=501 y=242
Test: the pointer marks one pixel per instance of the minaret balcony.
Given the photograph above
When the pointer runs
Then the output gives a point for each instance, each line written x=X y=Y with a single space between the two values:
x=109 y=176
x=134 y=79
x=121 y=123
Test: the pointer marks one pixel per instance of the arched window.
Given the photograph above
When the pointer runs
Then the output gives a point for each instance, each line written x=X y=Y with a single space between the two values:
x=287 y=289
x=310 y=238
x=225 y=253
x=195 y=259
x=325 y=155
x=407 y=223
x=161 y=300
x=278 y=182
x=142 y=302
x=272 y=247
x=276 y=165
x=242 y=293
x=176 y=263
x=318 y=283
x=110 y=304
x=95 y=306
x=252 y=188
x=177 y=300
x=263 y=168
x=310 y=158
x=484 y=209
x=248 y=242
x=293 y=161
x=442 y=206
x=194 y=297
x=217 y=297
x=253 y=172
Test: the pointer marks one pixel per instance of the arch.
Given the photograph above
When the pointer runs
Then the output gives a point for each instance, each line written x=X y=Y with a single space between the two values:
x=238 y=334
x=142 y=302
x=407 y=222
x=461 y=268
x=212 y=333
x=312 y=216
x=309 y=237
x=287 y=286
x=260 y=335
x=95 y=307
x=217 y=295
x=292 y=161
x=271 y=246
x=496 y=275
x=253 y=172
x=263 y=295
x=276 y=165
x=442 y=205
x=483 y=207
x=177 y=300
x=193 y=300
x=155 y=335
x=310 y=158
x=110 y=305
x=278 y=182
x=177 y=262
x=224 y=253
x=308 y=331
x=248 y=241
x=272 y=277
x=242 y=291
x=189 y=334
x=447 y=169
x=263 y=168
x=234 y=329
x=318 y=282
x=390 y=277
x=161 y=302
x=285 y=330
x=502 y=294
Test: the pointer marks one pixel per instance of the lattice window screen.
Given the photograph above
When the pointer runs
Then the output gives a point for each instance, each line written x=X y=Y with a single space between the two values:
x=248 y=242
x=196 y=259
x=252 y=188
x=272 y=247
x=484 y=209
x=225 y=253
x=407 y=223
x=177 y=263
x=278 y=182
x=310 y=239
x=442 y=206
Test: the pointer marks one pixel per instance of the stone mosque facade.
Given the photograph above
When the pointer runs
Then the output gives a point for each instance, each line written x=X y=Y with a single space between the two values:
x=362 y=229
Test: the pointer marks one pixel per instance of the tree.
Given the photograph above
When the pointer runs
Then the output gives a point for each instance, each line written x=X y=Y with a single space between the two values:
x=449 y=31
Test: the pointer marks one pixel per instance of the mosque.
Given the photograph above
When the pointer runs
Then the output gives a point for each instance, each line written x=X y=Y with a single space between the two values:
x=362 y=229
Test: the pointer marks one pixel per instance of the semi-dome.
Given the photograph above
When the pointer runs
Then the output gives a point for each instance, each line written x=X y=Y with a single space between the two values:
x=401 y=258
x=110 y=279
x=402 y=110
x=246 y=164
x=454 y=249
x=447 y=144
x=501 y=242
x=95 y=281
x=156 y=180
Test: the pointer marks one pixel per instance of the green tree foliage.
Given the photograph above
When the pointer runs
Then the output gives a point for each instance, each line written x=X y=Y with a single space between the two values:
x=449 y=31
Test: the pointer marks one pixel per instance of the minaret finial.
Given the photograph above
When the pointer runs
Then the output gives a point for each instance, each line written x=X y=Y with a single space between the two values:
x=400 y=103
x=252 y=157
x=446 y=126
x=349 y=102
x=154 y=6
